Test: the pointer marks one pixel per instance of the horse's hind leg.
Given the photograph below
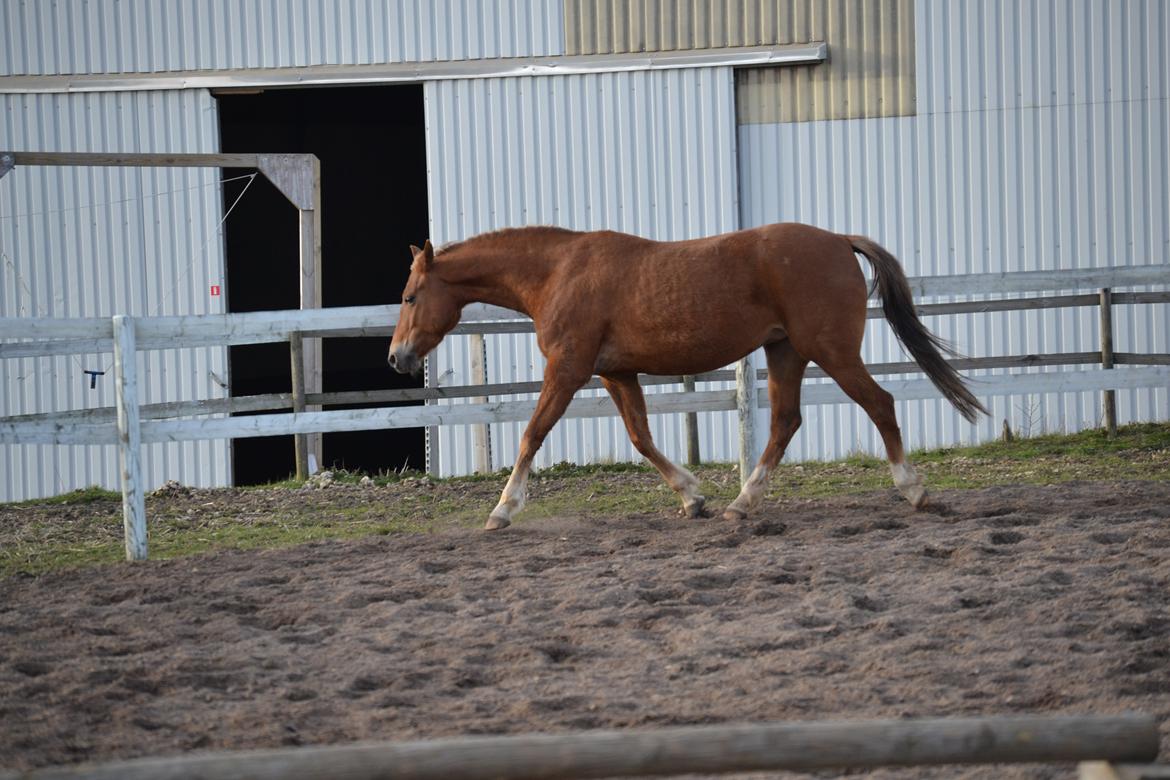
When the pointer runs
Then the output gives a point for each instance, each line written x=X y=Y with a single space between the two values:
x=627 y=396
x=785 y=373
x=853 y=377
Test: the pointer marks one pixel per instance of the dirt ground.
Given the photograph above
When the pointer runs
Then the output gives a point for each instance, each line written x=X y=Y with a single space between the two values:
x=1005 y=600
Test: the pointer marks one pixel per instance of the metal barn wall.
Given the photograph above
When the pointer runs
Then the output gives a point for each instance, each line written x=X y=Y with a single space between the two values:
x=650 y=153
x=869 y=73
x=1040 y=143
x=148 y=36
x=94 y=242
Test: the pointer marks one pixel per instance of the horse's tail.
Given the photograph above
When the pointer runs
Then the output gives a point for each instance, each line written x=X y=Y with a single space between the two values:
x=925 y=347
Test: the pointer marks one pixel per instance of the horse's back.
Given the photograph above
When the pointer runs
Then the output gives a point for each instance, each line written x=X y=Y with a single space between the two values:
x=670 y=305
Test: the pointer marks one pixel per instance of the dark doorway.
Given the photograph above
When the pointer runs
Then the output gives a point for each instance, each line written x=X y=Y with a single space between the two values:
x=372 y=148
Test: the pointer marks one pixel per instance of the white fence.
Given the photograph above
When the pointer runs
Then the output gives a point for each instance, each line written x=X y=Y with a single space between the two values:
x=129 y=425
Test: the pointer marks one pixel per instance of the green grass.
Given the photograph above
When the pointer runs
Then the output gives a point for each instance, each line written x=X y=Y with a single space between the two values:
x=171 y=542
x=86 y=495
x=1093 y=443
x=84 y=527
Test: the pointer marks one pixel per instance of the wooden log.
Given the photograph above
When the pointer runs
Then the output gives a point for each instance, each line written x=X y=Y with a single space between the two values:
x=1110 y=400
x=1138 y=359
x=681 y=750
x=129 y=438
x=1141 y=297
x=691 y=426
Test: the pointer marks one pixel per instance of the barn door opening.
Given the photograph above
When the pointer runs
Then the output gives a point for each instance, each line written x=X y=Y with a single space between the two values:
x=372 y=147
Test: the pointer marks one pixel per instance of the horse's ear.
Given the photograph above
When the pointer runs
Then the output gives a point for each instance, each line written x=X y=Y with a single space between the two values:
x=427 y=252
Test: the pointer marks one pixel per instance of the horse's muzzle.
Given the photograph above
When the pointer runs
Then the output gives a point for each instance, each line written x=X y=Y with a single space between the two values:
x=403 y=360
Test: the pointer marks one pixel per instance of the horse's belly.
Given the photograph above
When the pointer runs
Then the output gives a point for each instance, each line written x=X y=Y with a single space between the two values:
x=666 y=352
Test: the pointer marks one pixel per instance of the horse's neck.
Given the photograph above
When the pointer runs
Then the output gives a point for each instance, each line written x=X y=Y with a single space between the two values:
x=499 y=275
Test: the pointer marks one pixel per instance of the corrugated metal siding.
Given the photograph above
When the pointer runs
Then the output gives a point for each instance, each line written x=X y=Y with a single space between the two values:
x=90 y=242
x=870 y=72
x=147 y=36
x=1040 y=144
x=647 y=153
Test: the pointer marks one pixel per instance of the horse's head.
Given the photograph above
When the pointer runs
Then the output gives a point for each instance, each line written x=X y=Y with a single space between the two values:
x=429 y=311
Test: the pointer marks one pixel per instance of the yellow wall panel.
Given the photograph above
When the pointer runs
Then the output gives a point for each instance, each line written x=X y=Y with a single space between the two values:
x=869 y=73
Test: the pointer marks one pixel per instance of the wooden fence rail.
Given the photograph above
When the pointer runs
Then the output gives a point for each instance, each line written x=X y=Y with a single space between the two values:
x=276 y=401
x=129 y=424
x=837 y=745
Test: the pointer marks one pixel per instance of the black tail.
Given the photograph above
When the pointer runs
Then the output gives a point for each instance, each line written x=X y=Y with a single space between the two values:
x=925 y=347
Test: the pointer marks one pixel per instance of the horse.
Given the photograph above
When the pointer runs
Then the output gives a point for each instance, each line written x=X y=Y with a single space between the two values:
x=617 y=305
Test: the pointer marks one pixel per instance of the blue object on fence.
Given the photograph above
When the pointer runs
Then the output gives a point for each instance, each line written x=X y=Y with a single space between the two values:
x=93 y=375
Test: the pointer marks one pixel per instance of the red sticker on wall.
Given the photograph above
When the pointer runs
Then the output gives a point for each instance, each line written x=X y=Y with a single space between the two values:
x=215 y=289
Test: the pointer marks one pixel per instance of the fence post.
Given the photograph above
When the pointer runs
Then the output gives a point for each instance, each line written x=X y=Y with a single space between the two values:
x=311 y=296
x=691 y=426
x=1107 y=359
x=129 y=437
x=481 y=433
x=745 y=407
x=296 y=351
x=431 y=379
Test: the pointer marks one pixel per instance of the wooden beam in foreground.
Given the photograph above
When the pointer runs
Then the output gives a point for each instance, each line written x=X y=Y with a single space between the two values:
x=683 y=750
x=1103 y=770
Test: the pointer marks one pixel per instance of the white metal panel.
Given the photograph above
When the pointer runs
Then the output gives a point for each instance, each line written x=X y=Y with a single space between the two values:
x=149 y=36
x=647 y=153
x=90 y=242
x=1040 y=143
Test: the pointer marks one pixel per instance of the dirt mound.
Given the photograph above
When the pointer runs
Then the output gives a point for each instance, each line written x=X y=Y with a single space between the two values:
x=1002 y=600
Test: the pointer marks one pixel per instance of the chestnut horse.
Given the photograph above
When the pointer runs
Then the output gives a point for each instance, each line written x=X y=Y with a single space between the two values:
x=618 y=305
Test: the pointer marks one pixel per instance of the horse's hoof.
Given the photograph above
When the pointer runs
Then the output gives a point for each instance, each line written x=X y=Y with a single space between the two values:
x=696 y=508
x=917 y=496
x=495 y=523
x=731 y=513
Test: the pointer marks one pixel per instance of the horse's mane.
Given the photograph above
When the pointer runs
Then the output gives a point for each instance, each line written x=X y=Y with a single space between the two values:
x=535 y=231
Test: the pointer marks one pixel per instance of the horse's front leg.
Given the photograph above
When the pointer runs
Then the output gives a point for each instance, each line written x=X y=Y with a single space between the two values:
x=562 y=378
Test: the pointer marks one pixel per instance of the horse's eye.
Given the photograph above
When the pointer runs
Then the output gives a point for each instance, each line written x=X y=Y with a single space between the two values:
x=409 y=299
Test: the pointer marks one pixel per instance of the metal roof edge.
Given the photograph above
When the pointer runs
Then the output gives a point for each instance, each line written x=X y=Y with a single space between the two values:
x=808 y=53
